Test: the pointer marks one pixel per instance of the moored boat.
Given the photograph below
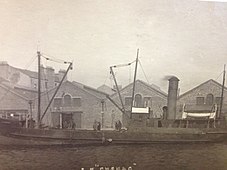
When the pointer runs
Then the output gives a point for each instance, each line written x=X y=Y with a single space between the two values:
x=146 y=130
x=11 y=134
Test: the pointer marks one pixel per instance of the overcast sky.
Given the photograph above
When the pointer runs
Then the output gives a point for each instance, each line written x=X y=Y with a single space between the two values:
x=185 y=38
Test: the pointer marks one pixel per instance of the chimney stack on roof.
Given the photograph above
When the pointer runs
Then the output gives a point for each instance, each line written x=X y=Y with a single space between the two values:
x=5 y=70
x=60 y=74
x=50 y=77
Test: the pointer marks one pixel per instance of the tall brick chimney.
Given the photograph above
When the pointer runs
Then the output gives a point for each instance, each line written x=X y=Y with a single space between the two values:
x=172 y=97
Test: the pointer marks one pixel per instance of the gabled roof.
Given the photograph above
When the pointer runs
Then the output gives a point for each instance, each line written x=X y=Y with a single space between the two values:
x=97 y=93
x=145 y=84
x=106 y=89
x=28 y=93
x=11 y=90
x=29 y=73
x=83 y=88
x=153 y=88
x=34 y=74
x=211 y=80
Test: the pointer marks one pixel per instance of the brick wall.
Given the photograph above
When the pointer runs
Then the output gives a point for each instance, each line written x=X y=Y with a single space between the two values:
x=12 y=103
x=9 y=100
x=189 y=98
x=158 y=101
x=90 y=105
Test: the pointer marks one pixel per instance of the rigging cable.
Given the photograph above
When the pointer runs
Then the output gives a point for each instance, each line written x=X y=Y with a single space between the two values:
x=106 y=79
x=7 y=91
x=130 y=74
x=144 y=72
x=124 y=65
x=51 y=58
x=46 y=86
x=111 y=80
x=219 y=75
x=30 y=62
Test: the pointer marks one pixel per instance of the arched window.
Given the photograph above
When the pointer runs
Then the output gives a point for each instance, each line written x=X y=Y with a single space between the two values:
x=67 y=100
x=138 y=100
x=209 y=99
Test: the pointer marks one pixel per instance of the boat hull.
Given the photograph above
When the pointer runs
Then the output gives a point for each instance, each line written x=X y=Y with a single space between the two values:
x=82 y=137
x=12 y=134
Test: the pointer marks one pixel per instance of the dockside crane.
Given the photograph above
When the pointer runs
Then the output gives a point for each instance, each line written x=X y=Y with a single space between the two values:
x=122 y=107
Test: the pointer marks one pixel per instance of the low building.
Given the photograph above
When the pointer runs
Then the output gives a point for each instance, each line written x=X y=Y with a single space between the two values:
x=145 y=96
x=202 y=98
x=72 y=105
x=27 y=79
x=13 y=104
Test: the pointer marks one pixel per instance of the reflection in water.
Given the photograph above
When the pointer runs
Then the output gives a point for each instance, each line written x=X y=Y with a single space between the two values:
x=174 y=156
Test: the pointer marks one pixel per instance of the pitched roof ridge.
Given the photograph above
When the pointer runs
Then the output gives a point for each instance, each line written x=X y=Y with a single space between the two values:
x=54 y=88
x=89 y=87
x=25 y=71
x=148 y=85
x=96 y=90
x=104 y=85
x=121 y=90
x=85 y=89
x=210 y=80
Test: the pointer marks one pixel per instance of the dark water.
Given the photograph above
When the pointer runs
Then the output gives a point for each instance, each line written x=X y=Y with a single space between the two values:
x=150 y=157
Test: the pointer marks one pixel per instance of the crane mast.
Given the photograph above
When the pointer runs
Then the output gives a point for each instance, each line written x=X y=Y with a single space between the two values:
x=122 y=108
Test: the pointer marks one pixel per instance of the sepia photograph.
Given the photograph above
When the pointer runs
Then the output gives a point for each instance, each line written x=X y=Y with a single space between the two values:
x=113 y=85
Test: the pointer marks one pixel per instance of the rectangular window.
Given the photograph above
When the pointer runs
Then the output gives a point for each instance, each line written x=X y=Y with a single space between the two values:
x=147 y=102
x=76 y=102
x=128 y=101
x=218 y=100
x=57 y=102
x=199 y=100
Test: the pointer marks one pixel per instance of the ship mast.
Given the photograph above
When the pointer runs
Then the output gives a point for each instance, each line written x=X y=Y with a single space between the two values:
x=134 y=83
x=69 y=67
x=39 y=117
x=39 y=90
x=118 y=91
x=117 y=88
x=222 y=93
